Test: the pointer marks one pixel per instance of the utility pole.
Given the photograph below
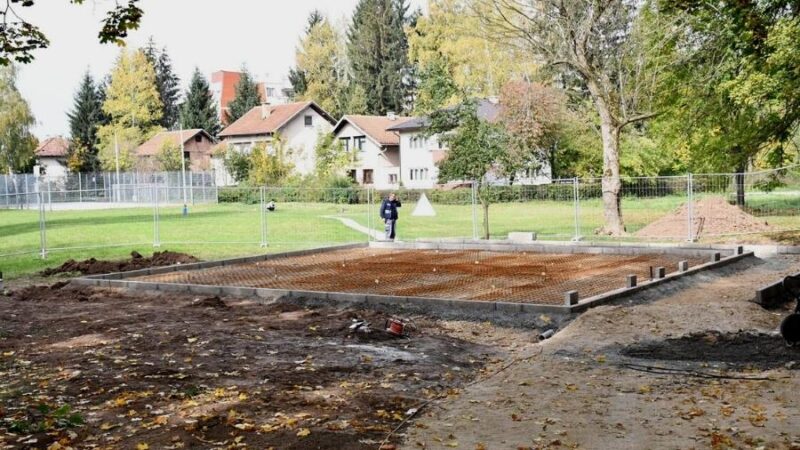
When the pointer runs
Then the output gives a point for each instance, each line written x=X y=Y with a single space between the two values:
x=116 y=159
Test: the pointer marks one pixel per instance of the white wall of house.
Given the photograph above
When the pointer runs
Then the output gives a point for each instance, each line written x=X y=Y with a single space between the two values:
x=302 y=139
x=297 y=136
x=371 y=157
x=530 y=177
x=53 y=167
x=418 y=157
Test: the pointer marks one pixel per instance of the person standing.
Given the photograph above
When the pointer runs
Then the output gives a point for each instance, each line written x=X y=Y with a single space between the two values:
x=389 y=207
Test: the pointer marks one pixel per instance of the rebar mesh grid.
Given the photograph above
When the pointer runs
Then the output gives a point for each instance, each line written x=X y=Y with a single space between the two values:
x=523 y=277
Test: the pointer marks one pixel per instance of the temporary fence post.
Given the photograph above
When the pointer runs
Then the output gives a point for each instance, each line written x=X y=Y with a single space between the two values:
x=49 y=194
x=576 y=196
x=216 y=190
x=474 y=210
x=263 y=218
x=369 y=216
x=80 y=189
x=689 y=208
x=156 y=218
x=42 y=227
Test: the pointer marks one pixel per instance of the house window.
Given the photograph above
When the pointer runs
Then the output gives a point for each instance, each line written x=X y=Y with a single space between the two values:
x=352 y=176
x=418 y=174
x=345 y=143
x=358 y=142
x=309 y=120
x=392 y=178
x=367 y=176
x=198 y=138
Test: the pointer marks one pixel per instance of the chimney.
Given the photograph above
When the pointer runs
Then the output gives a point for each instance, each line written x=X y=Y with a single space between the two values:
x=391 y=115
x=265 y=112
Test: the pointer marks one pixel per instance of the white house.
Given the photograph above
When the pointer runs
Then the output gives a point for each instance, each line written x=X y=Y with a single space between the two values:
x=298 y=124
x=376 y=150
x=51 y=156
x=420 y=154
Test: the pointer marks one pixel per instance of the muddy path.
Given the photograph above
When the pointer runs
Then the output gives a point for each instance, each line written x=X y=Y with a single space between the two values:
x=692 y=365
x=88 y=367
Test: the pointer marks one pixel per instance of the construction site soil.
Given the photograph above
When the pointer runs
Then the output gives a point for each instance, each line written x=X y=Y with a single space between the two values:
x=712 y=216
x=745 y=349
x=468 y=275
x=86 y=367
x=137 y=261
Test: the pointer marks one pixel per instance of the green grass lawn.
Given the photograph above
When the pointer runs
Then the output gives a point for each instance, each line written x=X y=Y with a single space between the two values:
x=208 y=232
x=231 y=229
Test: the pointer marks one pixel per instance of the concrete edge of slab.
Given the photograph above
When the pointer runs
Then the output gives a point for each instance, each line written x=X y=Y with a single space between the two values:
x=772 y=294
x=606 y=297
x=610 y=248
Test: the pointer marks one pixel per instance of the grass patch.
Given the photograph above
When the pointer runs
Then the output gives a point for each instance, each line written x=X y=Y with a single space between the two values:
x=232 y=229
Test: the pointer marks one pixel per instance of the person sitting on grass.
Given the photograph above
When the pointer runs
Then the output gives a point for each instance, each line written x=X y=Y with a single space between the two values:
x=389 y=215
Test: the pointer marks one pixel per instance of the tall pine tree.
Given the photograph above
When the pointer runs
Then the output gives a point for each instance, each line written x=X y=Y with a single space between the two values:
x=245 y=99
x=297 y=76
x=199 y=109
x=84 y=119
x=378 y=51
x=166 y=82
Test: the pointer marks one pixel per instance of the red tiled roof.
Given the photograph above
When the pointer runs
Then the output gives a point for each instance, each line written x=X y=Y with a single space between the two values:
x=375 y=127
x=255 y=122
x=156 y=143
x=54 y=147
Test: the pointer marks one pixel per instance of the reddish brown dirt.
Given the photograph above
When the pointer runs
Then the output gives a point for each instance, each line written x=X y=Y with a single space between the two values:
x=174 y=371
x=136 y=262
x=713 y=216
x=468 y=275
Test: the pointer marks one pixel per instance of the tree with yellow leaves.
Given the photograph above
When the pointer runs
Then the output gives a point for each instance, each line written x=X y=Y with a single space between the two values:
x=134 y=107
x=453 y=56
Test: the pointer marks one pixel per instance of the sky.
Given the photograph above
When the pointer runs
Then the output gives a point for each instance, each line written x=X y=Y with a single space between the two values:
x=209 y=34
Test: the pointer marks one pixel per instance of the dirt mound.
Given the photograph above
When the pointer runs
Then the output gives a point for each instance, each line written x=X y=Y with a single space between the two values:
x=712 y=216
x=210 y=302
x=93 y=266
x=62 y=290
x=740 y=349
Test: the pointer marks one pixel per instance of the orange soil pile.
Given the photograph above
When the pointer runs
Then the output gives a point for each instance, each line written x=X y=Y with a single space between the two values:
x=712 y=216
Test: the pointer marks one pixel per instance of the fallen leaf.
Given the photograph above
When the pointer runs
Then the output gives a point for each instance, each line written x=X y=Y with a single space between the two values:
x=303 y=432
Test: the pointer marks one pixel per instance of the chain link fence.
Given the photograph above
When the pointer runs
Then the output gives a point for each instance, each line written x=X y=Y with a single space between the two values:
x=159 y=210
x=105 y=189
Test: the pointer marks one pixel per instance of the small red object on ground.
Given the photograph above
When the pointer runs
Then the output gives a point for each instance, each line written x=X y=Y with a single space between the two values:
x=395 y=327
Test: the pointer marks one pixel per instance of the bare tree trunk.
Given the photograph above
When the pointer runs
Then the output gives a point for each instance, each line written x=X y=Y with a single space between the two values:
x=486 y=234
x=612 y=185
x=739 y=180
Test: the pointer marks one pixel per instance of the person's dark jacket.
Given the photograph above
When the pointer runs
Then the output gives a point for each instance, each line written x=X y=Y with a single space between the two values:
x=389 y=209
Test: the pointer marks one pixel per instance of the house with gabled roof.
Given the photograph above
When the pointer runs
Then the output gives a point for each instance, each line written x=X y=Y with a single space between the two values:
x=51 y=156
x=197 y=149
x=421 y=153
x=299 y=126
x=375 y=150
